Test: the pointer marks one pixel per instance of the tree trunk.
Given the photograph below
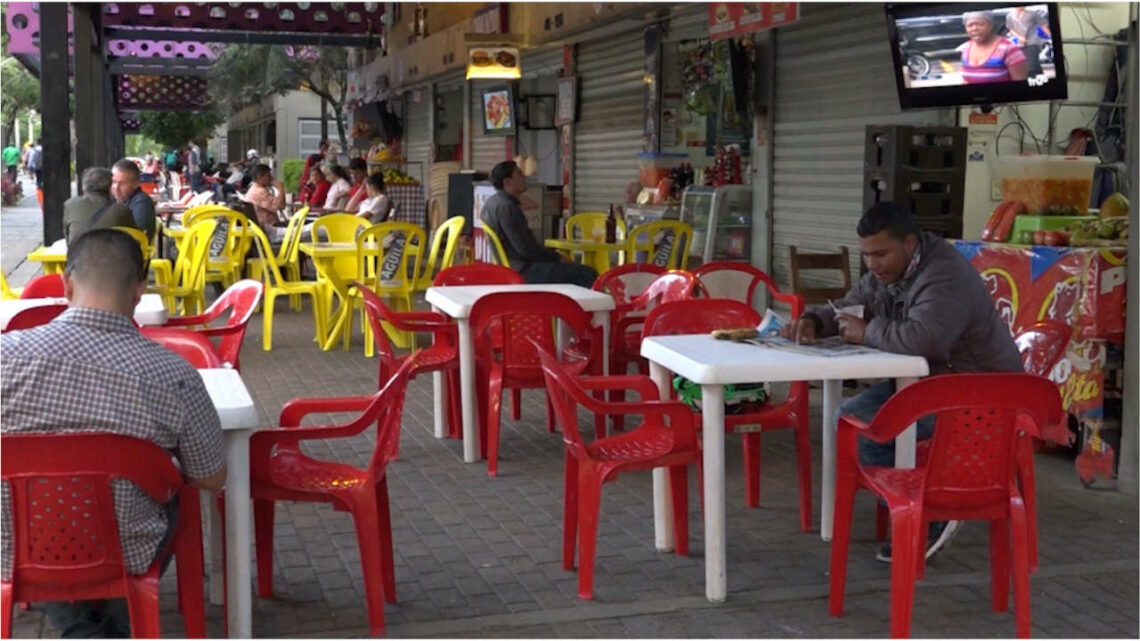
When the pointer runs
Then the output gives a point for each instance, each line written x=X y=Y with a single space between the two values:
x=339 y=114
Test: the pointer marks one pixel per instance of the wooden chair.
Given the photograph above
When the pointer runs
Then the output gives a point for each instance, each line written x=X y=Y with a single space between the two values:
x=817 y=295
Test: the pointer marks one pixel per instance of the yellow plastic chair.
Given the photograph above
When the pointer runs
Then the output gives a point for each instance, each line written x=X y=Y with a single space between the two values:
x=228 y=265
x=193 y=214
x=7 y=293
x=370 y=257
x=276 y=285
x=497 y=245
x=641 y=238
x=286 y=258
x=450 y=229
x=186 y=279
x=589 y=225
x=140 y=238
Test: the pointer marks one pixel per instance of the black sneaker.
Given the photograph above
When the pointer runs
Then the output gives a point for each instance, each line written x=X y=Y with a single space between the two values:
x=937 y=539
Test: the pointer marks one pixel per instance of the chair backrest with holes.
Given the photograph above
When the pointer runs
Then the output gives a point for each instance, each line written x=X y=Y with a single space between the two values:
x=645 y=238
x=698 y=316
x=527 y=317
x=34 y=317
x=738 y=281
x=626 y=281
x=371 y=255
x=44 y=286
x=973 y=455
x=190 y=345
x=589 y=225
x=799 y=262
x=478 y=274
x=449 y=230
x=1042 y=345
x=64 y=531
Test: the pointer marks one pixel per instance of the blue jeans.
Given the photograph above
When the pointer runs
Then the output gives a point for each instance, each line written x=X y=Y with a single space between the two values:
x=106 y=619
x=864 y=407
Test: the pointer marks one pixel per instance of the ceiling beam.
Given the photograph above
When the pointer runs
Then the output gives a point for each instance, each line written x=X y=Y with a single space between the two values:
x=246 y=37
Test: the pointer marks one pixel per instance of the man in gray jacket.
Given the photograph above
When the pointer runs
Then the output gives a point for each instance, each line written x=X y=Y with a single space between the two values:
x=503 y=214
x=95 y=209
x=920 y=297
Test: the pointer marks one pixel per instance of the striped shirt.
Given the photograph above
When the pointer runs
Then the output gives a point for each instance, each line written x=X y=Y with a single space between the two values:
x=91 y=371
x=996 y=67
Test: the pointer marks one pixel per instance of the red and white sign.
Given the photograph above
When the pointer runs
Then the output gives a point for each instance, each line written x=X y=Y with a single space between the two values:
x=731 y=19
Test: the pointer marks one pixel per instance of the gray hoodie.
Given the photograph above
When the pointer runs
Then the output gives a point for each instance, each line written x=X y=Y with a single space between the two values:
x=944 y=314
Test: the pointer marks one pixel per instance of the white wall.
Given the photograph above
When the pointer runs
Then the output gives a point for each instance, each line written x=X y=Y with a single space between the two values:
x=290 y=108
x=1087 y=67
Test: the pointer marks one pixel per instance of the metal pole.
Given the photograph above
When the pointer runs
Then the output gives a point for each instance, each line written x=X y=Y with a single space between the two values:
x=56 y=126
x=1128 y=474
x=467 y=120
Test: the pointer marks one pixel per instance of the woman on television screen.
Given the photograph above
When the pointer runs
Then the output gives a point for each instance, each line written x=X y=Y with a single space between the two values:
x=986 y=56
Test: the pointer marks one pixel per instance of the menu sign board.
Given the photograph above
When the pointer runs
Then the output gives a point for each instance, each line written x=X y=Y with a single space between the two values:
x=731 y=19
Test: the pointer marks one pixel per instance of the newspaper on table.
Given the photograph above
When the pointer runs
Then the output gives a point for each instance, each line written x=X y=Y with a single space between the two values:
x=772 y=323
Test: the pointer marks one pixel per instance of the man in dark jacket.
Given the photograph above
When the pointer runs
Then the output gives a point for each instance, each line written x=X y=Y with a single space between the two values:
x=125 y=187
x=920 y=297
x=505 y=217
x=95 y=209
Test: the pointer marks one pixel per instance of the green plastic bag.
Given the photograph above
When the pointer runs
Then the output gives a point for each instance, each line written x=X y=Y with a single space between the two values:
x=737 y=397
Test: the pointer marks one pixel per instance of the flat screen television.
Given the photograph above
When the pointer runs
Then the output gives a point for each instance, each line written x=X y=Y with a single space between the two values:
x=500 y=115
x=976 y=53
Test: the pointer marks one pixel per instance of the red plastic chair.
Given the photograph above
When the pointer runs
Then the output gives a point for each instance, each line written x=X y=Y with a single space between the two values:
x=281 y=472
x=73 y=553
x=652 y=444
x=442 y=356
x=34 y=317
x=703 y=316
x=1041 y=345
x=192 y=346
x=477 y=274
x=525 y=317
x=240 y=300
x=733 y=280
x=44 y=286
x=969 y=475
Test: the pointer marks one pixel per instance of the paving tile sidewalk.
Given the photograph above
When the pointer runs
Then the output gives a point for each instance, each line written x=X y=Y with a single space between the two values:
x=480 y=557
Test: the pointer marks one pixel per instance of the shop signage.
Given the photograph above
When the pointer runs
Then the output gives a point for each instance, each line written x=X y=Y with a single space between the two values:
x=493 y=62
x=730 y=19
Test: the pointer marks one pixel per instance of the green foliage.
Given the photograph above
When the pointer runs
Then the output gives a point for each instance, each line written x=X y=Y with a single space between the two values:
x=291 y=169
x=245 y=74
x=21 y=91
x=138 y=145
x=173 y=129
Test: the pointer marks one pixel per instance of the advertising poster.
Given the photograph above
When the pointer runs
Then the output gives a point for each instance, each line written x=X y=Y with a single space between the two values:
x=730 y=19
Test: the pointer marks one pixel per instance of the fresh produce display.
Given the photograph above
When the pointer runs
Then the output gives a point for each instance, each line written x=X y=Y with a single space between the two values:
x=1106 y=231
x=1115 y=206
x=397 y=177
x=1001 y=221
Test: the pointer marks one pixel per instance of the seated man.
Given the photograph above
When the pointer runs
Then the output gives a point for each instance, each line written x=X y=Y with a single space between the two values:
x=125 y=187
x=80 y=373
x=505 y=217
x=267 y=203
x=920 y=297
x=95 y=209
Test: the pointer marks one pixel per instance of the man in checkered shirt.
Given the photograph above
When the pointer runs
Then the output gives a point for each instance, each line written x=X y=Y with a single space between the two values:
x=90 y=370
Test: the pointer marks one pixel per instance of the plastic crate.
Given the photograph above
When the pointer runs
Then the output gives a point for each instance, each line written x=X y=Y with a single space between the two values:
x=1026 y=222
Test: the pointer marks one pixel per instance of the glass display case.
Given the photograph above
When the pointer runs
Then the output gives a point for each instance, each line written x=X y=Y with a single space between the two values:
x=721 y=218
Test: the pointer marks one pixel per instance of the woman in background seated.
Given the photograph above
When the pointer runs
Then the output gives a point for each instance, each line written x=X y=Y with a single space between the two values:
x=375 y=206
x=316 y=188
x=338 y=192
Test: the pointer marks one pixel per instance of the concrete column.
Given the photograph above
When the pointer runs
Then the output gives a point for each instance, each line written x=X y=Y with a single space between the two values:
x=89 y=117
x=56 y=119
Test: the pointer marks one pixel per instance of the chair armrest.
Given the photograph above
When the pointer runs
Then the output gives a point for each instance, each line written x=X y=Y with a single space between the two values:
x=163 y=271
x=643 y=385
x=183 y=321
x=299 y=408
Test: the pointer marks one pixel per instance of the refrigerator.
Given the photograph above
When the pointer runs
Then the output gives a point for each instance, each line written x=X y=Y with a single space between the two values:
x=721 y=218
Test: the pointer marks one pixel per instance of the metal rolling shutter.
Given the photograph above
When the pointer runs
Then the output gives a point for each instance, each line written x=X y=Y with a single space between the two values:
x=609 y=133
x=541 y=62
x=834 y=76
x=417 y=133
x=486 y=151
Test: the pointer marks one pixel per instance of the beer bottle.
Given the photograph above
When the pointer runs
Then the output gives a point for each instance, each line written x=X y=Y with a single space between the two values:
x=611 y=226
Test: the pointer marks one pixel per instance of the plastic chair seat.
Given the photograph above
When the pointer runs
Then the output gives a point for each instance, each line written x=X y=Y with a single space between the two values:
x=294 y=471
x=629 y=446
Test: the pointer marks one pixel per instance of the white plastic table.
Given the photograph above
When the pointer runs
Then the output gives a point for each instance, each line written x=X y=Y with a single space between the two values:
x=456 y=302
x=239 y=419
x=150 y=310
x=713 y=364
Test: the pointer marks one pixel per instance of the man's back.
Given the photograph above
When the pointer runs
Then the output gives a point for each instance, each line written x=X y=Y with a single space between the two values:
x=91 y=371
x=142 y=208
x=93 y=211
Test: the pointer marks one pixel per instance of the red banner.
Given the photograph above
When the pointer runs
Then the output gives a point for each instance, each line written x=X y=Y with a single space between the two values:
x=730 y=19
